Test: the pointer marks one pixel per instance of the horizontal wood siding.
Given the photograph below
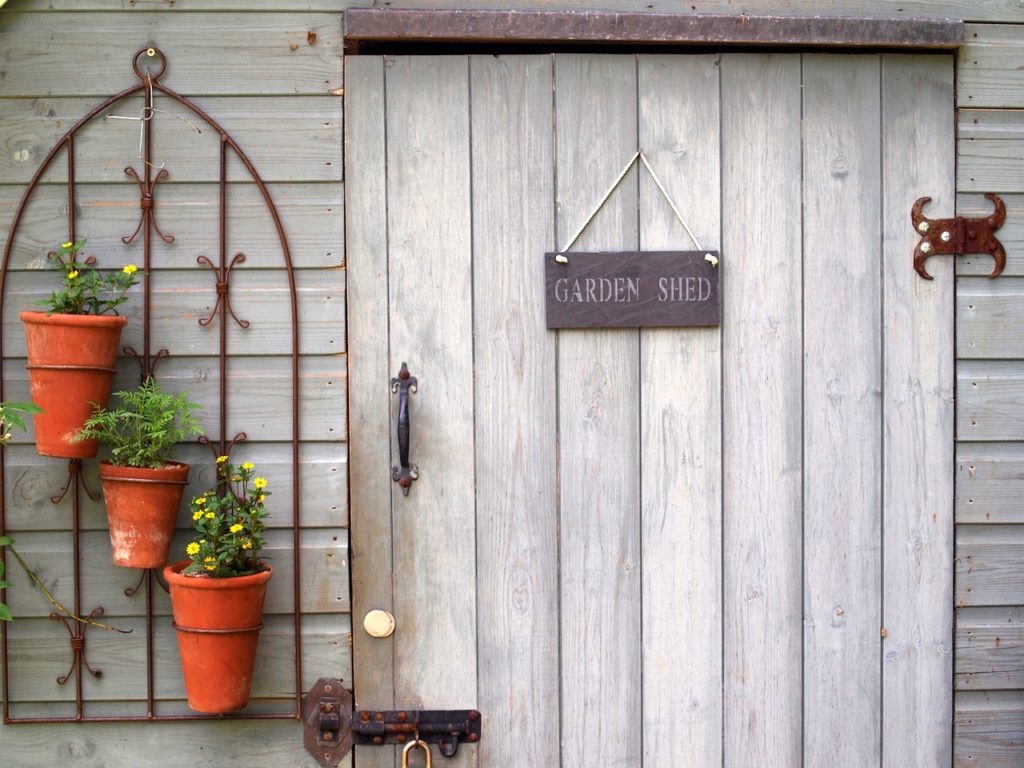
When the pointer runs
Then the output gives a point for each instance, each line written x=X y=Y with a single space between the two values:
x=989 y=572
x=273 y=80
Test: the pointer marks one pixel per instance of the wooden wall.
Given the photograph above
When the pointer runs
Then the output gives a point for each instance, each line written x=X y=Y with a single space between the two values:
x=256 y=66
x=270 y=73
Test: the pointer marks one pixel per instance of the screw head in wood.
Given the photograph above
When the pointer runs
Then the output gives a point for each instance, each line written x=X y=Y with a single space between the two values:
x=946 y=237
x=924 y=226
x=926 y=247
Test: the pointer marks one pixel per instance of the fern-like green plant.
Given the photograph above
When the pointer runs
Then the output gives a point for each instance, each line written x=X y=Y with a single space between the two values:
x=147 y=426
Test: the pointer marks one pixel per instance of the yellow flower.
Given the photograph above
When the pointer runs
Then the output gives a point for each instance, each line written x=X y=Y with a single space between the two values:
x=192 y=549
x=236 y=479
x=130 y=269
x=197 y=514
x=210 y=515
x=247 y=544
x=259 y=483
x=210 y=563
x=199 y=501
x=67 y=245
x=260 y=498
x=236 y=528
x=72 y=274
x=249 y=466
x=221 y=459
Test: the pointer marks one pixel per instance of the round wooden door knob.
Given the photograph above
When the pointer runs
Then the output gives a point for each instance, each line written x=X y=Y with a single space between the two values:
x=378 y=623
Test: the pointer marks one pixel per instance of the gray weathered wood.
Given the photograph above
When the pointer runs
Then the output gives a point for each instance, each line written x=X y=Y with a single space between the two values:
x=990 y=151
x=254 y=53
x=988 y=320
x=988 y=728
x=842 y=413
x=989 y=648
x=761 y=407
x=598 y=411
x=514 y=365
x=990 y=483
x=293 y=138
x=917 y=140
x=680 y=373
x=1011 y=235
x=988 y=70
x=179 y=299
x=989 y=569
x=312 y=216
x=989 y=394
x=430 y=319
x=369 y=391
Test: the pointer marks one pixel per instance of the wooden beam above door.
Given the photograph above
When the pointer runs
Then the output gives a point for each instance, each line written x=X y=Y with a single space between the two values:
x=369 y=25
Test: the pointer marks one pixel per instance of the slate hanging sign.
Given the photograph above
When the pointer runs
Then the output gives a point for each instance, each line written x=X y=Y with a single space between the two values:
x=632 y=289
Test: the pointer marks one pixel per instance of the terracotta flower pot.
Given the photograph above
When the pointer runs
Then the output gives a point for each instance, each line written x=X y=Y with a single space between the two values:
x=70 y=365
x=218 y=623
x=142 y=507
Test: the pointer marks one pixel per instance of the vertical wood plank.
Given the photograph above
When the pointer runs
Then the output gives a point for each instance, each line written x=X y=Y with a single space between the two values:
x=517 y=511
x=369 y=392
x=429 y=237
x=599 y=443
x=918 y=147
x=681 y=428
x=761 y=409
x=842 y=411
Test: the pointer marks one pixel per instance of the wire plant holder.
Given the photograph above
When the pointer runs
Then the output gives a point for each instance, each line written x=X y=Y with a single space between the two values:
x=149 y=65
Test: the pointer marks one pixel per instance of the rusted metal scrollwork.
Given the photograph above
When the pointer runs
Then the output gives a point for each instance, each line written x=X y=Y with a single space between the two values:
x=149 y=65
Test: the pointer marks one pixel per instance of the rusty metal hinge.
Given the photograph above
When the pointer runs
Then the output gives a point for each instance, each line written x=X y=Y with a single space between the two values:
x=331 y=725
x=958 y=235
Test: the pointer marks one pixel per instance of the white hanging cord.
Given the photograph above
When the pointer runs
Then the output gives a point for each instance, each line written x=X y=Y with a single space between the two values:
x=145 y=115
x=561 y=257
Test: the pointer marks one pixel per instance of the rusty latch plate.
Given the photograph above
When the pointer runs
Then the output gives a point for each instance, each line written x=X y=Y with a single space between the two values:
x=327 y=718
x=958 y=235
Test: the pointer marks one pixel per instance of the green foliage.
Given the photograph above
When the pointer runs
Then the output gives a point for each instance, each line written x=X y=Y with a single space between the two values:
x=229 y=524
x=87 y=291
x=147 y=426
x=5 y=612
x=13 y=415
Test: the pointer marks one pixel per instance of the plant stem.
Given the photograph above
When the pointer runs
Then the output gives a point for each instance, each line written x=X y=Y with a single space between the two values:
x=53 y=601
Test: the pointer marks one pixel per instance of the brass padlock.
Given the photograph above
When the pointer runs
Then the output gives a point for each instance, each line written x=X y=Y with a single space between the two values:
x=410 y=747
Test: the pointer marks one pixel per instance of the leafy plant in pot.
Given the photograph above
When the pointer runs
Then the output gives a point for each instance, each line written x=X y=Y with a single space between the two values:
x=72 y=348
x=217 y=594
x=142 y=486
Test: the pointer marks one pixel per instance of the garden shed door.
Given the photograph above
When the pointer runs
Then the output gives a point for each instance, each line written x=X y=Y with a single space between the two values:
x=656 y=547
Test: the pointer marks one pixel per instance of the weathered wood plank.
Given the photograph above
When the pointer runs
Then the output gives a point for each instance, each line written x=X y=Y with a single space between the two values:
x=260 y=61
x=680 y=373
x=294 y=138
x=989 y=648
x=258 y=388
x=431 y=328
x=990 y=483
x=33 y=479
x=988 y=318
x=761 y=407
x=324 y=581
x=1011 y=235
x=988 y=72
x=115 y=746
x=990 y=151
x=312 y=215
x=842 y=413
x=369 y=391
x=599 y=441
x=41 y=648
x=989 y=397
x=917 y=599
x=989 y=568
x=514 y=364
x=989 y=729
x=180 y=299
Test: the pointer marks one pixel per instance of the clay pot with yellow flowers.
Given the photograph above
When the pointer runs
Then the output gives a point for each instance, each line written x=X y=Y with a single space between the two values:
x=217 y=594
x=71 y=349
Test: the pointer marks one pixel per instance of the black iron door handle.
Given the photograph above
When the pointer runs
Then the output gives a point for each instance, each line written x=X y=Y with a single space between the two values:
x=405 y=473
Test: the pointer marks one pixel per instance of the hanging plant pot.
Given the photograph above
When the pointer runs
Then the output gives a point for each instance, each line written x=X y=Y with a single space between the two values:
x=142 y=507
x=70 y=365
x=218 y=622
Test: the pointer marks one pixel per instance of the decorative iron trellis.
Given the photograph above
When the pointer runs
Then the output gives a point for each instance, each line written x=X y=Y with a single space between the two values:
x=143 y=63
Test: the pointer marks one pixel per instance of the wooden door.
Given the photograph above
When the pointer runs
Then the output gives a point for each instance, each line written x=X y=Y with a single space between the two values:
x=656 y=547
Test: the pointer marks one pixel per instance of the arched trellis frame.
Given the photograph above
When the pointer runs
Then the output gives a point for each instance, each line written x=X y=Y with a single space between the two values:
x=149 y=65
